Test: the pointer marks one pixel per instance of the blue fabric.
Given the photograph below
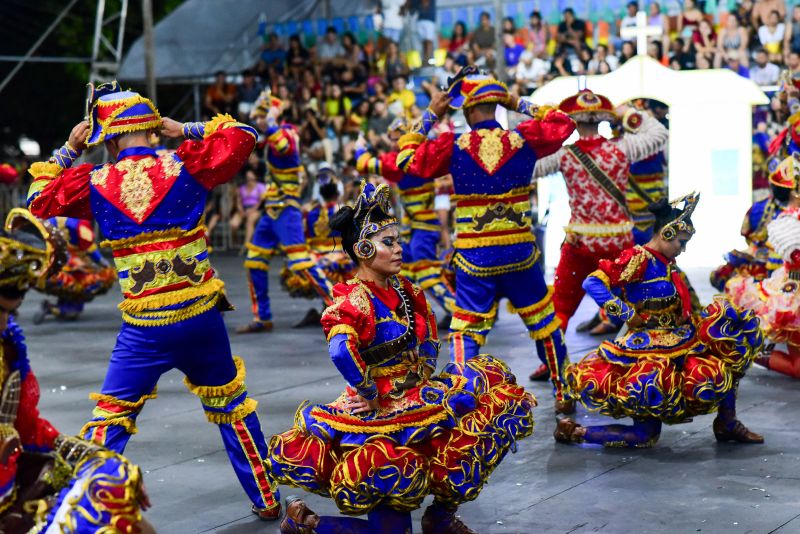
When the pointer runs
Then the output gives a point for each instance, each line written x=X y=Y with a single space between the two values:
x=285 y=230
x=642 y=432
x=259 y=286
x=422 y=245
x=13 y=335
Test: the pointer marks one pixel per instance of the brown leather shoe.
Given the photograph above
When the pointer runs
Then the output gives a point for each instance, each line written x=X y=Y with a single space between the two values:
x=567 y=431
x=255 y=327
x=442 y=519
x=565 y=407
x=736 y=432
x=541 y=374
x=300 y=519
x=267 y=514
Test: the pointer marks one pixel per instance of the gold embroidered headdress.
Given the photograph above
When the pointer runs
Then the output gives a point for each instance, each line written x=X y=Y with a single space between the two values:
x=682 y=209
x=368 y=200
x=30 y=250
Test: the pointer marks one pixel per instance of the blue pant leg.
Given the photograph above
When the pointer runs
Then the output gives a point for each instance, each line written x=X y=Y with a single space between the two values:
x=426 y=268
x=215 y=376
x=261 y=248
x=289 y=228
x=137 y=362
x=474 y=315
x=532 y=300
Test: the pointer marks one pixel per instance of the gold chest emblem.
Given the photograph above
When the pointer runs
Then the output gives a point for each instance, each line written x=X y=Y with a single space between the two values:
x=136 y=188
x=490 y=149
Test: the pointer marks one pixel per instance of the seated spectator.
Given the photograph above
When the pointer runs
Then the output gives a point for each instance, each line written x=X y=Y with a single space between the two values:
x=560 y=66
x=705 y=42
x=459 y=42
x=771 y=34
x=763 y=72
x=221 y=96
x=733 y=61
x=603 y=68
x=273 y=55
x=392 y=11
x=509 y=26
x=531 y=72
x=394 y=64
x=246 y=93
x=513 y=51
x=401 y=99
x=247 y=209
x=378 y=124
x=426 y=26
x=793 y=61
x=732 y=38
x=538 y=35
x=483 y=40
x=791 y=38
x=571 y=32
x=655 y=51
x=656 y=18
x=762 y=9
x=356 y=123
x=441 y=75
x=688 y=23
x=336 y=107
x=330 y=51
x=601 y=55
x=580 y=64
x=354 y=54
x=354 y=83
x=679 y=53
x=627 y=51
x=297 y=57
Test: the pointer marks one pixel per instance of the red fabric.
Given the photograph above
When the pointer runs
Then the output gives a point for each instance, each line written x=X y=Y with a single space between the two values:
x=546 y=136
x=613 y=268
x=34 y=431
x=217 y=158
x=389 y=168
x=574 y=265
x=474 y=150
x=67 y=195
x=8 y=174
x=346 y=312
x=432 y=158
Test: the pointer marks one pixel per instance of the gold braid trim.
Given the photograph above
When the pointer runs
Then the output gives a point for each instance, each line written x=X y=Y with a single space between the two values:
x=240 y=412
x=151 y=237
x=257 y=265
x=165 y=317
x=634 y=264
x=412 y=138
x=545 y=332
x=214 y=285
x=343 y=329
x=214 y=124
x=603 y=277
x=133 y=405
x=262 y=250
x=45 y=169
x=389 y=428
x=128 y=424
x=224 y=389
x=461 y=263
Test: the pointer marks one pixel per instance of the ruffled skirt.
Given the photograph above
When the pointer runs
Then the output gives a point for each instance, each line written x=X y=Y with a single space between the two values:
x=669 y=374
x=444 y=436
x=81 y=280
x=776 y=302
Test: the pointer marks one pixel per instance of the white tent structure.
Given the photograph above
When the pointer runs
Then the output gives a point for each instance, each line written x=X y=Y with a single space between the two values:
x=710 y=142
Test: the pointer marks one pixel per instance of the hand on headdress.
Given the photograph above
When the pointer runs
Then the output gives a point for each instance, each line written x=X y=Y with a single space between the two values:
x=440 y=103
x=171 y=128
x=79 y=135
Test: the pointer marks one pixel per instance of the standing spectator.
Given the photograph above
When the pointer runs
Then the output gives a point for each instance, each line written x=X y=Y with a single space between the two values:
x=732 y=38
x=426 y=27
x=221 y=96
x=771 y=34
x=330 y=50
x=482 y=41
x=392 y=11
x=538 y=35
x=531 y=72
x=297 y=57
x=571 y=32
x=705 y=43
x=512 y=52
x=733 y=61
x=459 y=42
x=688 y=23
x=247 y=93
x=401 y=99
x=763 y=72
x=762 y=9
x=627 y=21
x=273 y=55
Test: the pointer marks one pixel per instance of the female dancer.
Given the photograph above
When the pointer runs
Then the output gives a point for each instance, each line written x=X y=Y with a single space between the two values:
x=669 y=366
x=776 y=300
x=397 y=433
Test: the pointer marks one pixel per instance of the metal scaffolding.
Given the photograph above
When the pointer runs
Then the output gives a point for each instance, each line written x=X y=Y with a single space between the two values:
x=109 y=37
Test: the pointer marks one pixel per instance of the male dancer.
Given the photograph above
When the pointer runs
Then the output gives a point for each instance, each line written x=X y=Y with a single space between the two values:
x=150 y=209
x=495 y=254
x=281 y=226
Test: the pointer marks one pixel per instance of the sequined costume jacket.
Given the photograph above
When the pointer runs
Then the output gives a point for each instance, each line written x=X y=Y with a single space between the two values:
x=674 y=364
x=440 y=434
x=597 y=220
x=491 y=169
x=149 y=208
x=283 y=160
x=321 y=239
x=416 y=194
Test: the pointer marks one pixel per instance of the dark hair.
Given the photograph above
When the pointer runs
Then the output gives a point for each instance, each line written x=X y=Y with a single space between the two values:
x=664 y=213
x=632 y=4
x=781 y=194
x=331 y=29
x=343 y=221
x=535 y=14
x=485 y=14
x=329 y=191
x=463 y=27
x=569 y=10
x=12 y=292
x=219 y=73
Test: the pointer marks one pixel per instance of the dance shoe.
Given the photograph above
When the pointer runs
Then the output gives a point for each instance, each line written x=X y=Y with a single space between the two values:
x=267 y=514
x=299 y=519
x=735 y=431
x=541 y=374
x=255 y=327
x=441 y=519
x=568 y=431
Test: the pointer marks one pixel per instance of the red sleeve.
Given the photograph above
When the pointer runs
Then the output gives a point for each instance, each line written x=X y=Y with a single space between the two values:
x=34 y=432
x=351 y=313
x=425 y=158
x=217 y=158
x=546 y=135
x=55 y=192
x=389 y=169
x=628 y=267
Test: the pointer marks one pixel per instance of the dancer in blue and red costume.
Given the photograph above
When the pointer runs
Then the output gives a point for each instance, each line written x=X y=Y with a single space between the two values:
x=92 y=489
x=150 y=209
x=322 y=239
x=86 y=275
x=670 y=365
x=495 y=253
x=417 y=196
x=281 y=227
x=398 y=432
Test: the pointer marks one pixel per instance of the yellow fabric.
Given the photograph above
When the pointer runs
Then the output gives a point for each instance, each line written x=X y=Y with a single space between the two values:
x=225 y=389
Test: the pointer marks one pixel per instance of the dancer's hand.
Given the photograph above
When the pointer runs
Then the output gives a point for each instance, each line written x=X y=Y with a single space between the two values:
x=78 y=136
x=440 y=103
x=358 y=404
x=171 y=128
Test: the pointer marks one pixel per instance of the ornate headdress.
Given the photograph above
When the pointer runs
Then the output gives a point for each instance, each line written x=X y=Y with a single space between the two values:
x=112 y=112
x=587 y=106
x=785 y=173
x=682 y=210
x=368 y=200
x=262 y=104
x=30 y=250
x=471 y=87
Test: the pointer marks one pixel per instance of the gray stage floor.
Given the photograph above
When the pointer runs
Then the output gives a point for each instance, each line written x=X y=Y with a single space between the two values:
x=687 y=483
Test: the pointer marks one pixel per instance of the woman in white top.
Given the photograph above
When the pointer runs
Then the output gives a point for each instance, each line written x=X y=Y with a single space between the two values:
x=771 y=36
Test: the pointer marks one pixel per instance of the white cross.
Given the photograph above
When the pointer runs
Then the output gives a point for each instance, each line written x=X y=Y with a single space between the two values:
x=641 y=32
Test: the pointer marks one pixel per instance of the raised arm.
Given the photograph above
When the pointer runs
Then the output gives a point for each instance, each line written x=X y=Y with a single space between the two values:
x=610 y=275
x=643 y=141
x=422 y=157
x=215 y=150
x=545 y=133
x=384 y=165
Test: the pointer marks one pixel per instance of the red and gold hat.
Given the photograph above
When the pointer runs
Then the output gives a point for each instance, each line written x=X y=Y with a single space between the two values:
x=587 y=106
x=784 y=174
x=470 y=87
x=113 y=111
